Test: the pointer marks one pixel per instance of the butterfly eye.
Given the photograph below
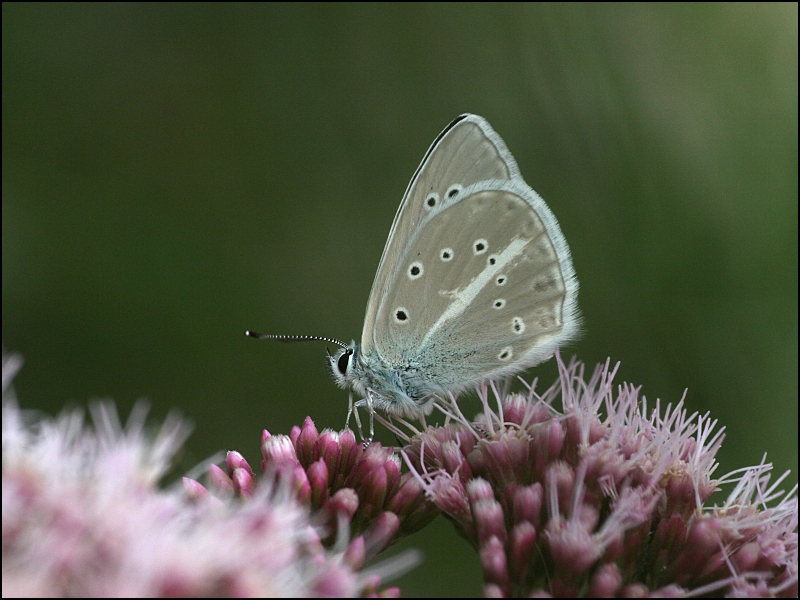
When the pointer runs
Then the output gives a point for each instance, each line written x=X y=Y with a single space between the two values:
x=518 y=325
x=415 y=270
x=480 y=246
x=453 y=191
x=344 y=361
x=401 y=315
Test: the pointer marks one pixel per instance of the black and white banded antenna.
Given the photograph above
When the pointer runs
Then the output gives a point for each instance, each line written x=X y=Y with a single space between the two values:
x=294 y=338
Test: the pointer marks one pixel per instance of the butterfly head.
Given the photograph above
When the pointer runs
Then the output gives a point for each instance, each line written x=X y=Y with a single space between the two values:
x=341 y=365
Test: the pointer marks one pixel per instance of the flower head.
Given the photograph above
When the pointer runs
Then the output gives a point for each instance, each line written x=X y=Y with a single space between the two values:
x=604 y=496
x=357 y=491
x=83 y=516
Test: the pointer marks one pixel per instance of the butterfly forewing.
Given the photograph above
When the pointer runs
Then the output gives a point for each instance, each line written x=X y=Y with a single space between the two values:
x=468 y=151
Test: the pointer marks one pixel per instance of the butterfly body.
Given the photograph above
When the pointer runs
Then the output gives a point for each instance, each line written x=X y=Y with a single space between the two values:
x=475 y=283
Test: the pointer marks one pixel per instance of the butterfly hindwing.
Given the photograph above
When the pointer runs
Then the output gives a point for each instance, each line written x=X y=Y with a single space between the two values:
x=485 y=289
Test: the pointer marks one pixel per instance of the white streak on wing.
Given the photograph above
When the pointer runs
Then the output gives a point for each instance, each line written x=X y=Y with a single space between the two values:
x=465 y=297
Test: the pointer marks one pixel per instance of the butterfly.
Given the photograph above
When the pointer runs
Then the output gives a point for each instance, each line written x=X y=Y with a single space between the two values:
x=475 y=283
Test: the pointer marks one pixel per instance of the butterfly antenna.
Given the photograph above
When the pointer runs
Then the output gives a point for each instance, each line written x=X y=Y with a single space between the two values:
x=293 y=338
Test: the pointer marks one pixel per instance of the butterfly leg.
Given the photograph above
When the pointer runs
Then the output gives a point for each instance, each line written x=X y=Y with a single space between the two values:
x=350 y=412
x=371 y=410
x=353 y=410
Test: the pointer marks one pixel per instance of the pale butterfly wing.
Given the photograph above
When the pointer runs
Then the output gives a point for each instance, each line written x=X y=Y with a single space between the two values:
x=466 y=152
x=476 y=280
x=487 y=292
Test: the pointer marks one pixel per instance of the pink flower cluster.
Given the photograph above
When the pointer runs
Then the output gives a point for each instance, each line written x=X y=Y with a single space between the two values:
x=355 y=491
x=604 y=498
x=598 y=497
x=83 y=516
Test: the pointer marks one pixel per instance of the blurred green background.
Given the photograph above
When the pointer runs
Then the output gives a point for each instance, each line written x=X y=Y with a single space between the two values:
x=174 y=174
